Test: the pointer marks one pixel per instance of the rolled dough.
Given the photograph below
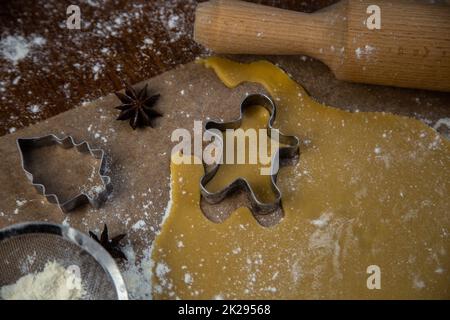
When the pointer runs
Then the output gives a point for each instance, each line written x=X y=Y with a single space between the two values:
x=369 y=189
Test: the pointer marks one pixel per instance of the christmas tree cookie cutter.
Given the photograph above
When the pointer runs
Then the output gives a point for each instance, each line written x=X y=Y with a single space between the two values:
x=289 y=151
x=95 y=199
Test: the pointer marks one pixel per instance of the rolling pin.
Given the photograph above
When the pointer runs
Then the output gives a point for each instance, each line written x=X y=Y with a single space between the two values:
x=408 y=46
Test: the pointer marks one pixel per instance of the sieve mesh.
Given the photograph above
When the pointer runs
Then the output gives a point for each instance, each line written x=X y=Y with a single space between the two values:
x=30 y=252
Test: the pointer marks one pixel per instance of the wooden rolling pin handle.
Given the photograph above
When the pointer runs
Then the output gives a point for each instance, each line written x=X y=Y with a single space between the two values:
x=242 y=27
x=412 y=48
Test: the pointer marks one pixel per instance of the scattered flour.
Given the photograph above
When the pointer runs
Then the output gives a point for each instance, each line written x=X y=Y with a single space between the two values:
x=138 y=274
x=16 y=48
x=138 y=271
x=148 y=41
x=418 y=283
x=96 y=69
x=21 y=203
x=109 y=27
x=364 y=51
x=139 y=225
x=34 y=108
x=188 y=278
x=173 y=21
x=161 y=270
x=323 y=220
x=53 y=283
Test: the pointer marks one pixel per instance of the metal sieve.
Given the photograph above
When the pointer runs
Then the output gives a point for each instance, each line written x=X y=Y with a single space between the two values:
x=26 y=248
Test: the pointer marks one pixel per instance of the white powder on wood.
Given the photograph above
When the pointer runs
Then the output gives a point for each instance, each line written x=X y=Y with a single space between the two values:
x=366 y=51
x=34 y=108
x=16 y=48
x=140 y=225
x=53 y=283
x=137 y=274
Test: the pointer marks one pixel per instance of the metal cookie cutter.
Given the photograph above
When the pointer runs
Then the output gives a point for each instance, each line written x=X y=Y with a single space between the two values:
x=289 y=151
x=95 y=200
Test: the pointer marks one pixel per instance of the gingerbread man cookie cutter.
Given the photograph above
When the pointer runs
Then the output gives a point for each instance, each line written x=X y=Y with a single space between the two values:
x=290 y=150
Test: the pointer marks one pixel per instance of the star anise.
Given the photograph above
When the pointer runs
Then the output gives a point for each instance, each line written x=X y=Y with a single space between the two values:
x=112 y=246
x=137 y=107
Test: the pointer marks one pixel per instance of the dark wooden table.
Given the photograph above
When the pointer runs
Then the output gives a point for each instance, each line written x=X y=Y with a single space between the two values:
x=46 y=69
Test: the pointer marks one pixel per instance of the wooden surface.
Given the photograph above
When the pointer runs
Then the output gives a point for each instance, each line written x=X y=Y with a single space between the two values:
x=138 y=160
x=119 y=40
x=412 y=48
